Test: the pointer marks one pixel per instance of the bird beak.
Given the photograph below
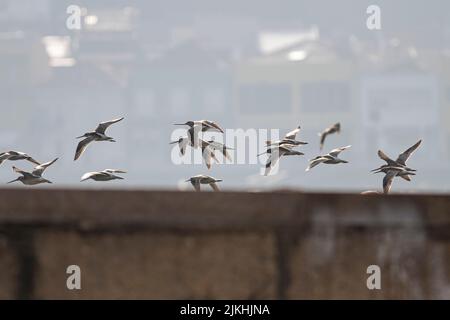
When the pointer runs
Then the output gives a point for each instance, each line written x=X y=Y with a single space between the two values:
x=173 y=142
x=179 y=124
x=80 y=137
x=13 y=180
x=189 y=180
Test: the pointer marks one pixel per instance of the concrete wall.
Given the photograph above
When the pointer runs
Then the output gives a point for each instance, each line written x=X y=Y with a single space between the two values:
x=151 y=244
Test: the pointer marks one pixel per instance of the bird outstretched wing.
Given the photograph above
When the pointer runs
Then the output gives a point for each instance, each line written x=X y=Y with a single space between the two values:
x=22 y=172
x=384 y=157
x=82 y=146
x=104 y=125
x=387 y=181
x=38 y=170
x=208 y=155
x=314 y=162
x=292 y=134
x=114 y=171
x=322 y=135
x=337 y=151
x=89 y=175
x=196 y=184
x=214 y=186
x=211 y=125
x=403 y=157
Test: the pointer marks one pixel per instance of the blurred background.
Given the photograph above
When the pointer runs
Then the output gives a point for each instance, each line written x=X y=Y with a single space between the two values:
x=245 y=64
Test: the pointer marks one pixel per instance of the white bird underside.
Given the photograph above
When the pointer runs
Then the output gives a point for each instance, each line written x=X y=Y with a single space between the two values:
x=329 y=158
x=275 y=153
x=97 y=135
x=34 y=177
x=292 y=134
x=105 y=175
x=16 y=155
x=197 y=180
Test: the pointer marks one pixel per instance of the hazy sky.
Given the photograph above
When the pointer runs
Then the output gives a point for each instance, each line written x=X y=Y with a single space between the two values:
x=158 y=63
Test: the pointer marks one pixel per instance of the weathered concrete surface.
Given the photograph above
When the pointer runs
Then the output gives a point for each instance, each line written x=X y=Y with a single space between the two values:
x=8 y=269
x=282 y=245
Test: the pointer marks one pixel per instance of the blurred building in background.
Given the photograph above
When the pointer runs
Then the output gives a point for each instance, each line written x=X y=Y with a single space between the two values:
x=239 y=64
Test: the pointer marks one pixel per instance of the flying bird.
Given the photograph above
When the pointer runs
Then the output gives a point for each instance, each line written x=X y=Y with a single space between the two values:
x=199 y=126
x=34 y=177
x=400 y=161
x=330 y=158
x=289 y=138
x=97 y=135
x=208 y=153
x=182 y=142
x=390 y=173
x=217 y=146
x=105 y=175
x=276 y=152
x=16 y=155
x=197 y=180
x=336 y=128
x=206 y=125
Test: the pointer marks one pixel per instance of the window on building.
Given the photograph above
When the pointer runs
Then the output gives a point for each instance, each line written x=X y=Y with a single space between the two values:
x=265 y=98
x=325 y=97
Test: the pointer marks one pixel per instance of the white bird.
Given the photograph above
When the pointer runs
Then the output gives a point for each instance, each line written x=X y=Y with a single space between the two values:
x=208 y=153
x=16 y=155
x=197 y=180
x=276 y=152
x=390 y=173
x=34 y=177
x=182 y=142
x=330 y=158
x=105 y=175
x=289 y=138
x=199 y=126
x=217 y=146
x=97 y=135
x=400 y=161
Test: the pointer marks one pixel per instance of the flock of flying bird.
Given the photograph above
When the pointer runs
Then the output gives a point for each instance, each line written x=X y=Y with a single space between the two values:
x=275 y=150
x=35 y=177
x=285 y=147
